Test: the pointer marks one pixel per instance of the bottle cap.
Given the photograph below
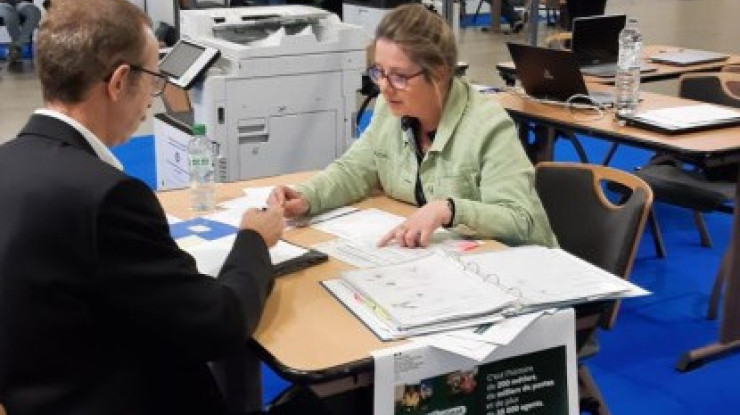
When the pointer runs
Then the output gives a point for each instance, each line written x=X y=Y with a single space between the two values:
x=199 y=129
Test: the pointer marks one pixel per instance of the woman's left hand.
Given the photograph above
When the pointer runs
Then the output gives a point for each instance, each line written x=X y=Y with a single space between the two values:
x=417 y=229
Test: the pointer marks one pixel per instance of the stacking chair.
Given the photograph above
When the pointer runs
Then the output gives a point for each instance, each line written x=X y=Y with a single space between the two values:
x=591 y=227
x=700 y=189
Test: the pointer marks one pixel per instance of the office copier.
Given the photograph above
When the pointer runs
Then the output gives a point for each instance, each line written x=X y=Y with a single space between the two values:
x=281 y=98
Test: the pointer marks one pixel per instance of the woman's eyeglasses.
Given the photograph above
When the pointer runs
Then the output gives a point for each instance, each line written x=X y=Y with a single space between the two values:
x=395 y=80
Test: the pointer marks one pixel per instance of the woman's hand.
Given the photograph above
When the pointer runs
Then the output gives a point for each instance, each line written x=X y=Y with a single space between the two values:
x=292 y=202
x=417 y=229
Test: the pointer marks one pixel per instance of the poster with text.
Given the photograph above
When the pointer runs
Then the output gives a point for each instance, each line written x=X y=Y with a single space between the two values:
x=533 y=375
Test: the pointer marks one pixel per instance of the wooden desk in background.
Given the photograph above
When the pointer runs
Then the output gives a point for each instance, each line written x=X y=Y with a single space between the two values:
x=710 y=147
x=507 y=70
x=305 y=334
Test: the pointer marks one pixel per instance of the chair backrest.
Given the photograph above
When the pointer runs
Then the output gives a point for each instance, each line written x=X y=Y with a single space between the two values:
x=721 y=88
x=586 y=223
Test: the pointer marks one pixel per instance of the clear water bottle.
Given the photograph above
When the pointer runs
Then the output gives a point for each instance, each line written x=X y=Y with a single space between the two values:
x=628 y=69
x=202 y=177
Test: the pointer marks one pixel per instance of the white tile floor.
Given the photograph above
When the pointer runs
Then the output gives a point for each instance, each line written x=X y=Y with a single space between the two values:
x=707 y=24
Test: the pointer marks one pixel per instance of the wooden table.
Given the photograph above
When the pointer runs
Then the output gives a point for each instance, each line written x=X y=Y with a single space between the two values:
x=710 y=147
x=507 y=70
x=305 y=334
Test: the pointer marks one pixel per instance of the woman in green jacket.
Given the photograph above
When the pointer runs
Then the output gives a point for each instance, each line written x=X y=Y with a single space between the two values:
x=434 y=142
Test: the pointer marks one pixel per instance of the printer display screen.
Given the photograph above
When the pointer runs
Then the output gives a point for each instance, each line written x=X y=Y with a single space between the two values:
x=180 y=59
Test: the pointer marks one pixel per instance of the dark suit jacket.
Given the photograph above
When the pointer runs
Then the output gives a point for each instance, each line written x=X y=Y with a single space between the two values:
x=100 y=311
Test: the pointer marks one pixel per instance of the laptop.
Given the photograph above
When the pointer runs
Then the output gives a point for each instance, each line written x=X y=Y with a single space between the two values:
x=686 y=119
x=686 y=57
x=595 y=41
x=177 y=104
x=553 y=75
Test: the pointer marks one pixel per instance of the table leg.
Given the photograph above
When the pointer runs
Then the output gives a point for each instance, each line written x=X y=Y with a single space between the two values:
x=729 y=330
x=719 y=283
x=534 y=21
x=496 y=16
x=542 y=145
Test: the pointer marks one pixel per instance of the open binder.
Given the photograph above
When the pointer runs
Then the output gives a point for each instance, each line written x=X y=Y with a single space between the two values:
x=440 y=292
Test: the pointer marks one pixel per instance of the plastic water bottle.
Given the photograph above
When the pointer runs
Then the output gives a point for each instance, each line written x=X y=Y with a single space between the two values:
x=628 y=69
x=202 y=177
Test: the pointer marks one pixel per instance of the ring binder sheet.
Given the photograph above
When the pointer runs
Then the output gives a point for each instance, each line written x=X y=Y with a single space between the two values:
x=440 y=292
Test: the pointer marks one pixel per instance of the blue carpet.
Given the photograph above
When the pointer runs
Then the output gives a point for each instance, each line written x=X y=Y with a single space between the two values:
x=634 y=368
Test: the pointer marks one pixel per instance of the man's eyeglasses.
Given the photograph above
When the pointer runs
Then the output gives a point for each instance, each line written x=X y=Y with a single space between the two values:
x=159 y=80
x=395 y=80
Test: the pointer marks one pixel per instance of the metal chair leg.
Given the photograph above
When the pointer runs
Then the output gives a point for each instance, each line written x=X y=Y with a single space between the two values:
x=657 y=236
x=590 y=400
x=701 y=226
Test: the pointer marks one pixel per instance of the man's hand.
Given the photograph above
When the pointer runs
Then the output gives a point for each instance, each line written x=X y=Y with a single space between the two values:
x=269 y=223
x=418 y=228
x=290 y=201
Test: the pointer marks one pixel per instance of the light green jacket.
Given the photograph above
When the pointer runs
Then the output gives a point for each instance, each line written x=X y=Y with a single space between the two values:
x=476 y=159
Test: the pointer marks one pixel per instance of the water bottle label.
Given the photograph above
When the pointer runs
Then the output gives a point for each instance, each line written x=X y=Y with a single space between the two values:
x=200 y=163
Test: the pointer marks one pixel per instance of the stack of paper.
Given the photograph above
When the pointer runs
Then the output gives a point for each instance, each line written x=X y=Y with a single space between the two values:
x=438 y=293
x=432 y=290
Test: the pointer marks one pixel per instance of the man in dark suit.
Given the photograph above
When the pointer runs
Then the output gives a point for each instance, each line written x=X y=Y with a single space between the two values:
x=100 y=311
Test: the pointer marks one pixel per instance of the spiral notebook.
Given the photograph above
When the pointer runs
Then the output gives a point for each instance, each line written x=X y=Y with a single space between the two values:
x=440 y=292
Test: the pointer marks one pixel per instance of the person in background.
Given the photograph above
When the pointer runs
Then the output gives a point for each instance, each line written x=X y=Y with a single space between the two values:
x=433 y=141
x=514 y=19
x=12 y=12
x=100 y=311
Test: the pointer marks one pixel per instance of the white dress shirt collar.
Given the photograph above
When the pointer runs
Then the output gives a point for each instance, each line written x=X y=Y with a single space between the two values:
x=102 y=151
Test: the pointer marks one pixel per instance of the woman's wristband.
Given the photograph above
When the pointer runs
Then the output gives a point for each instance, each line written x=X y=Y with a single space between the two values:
x=451 y=206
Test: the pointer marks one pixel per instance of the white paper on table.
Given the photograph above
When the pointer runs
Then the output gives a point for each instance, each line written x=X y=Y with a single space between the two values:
x=499 y=333
x=472 y=349
x=382 y=327
x=331 y=214
x=254 y=197
x=189 y=241
x=363 y=255
x=367 y=226
x=231 y=217
x=172 y=219
x=210 y=255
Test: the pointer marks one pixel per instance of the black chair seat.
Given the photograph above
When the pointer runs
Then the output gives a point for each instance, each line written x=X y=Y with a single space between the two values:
x=690 y=189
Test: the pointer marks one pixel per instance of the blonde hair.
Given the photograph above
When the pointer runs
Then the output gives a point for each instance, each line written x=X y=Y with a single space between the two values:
x=81 y=42
x=422 y=34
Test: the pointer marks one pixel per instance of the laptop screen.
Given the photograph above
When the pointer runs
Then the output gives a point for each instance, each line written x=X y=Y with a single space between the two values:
x=547 y=73
x=596 y=39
